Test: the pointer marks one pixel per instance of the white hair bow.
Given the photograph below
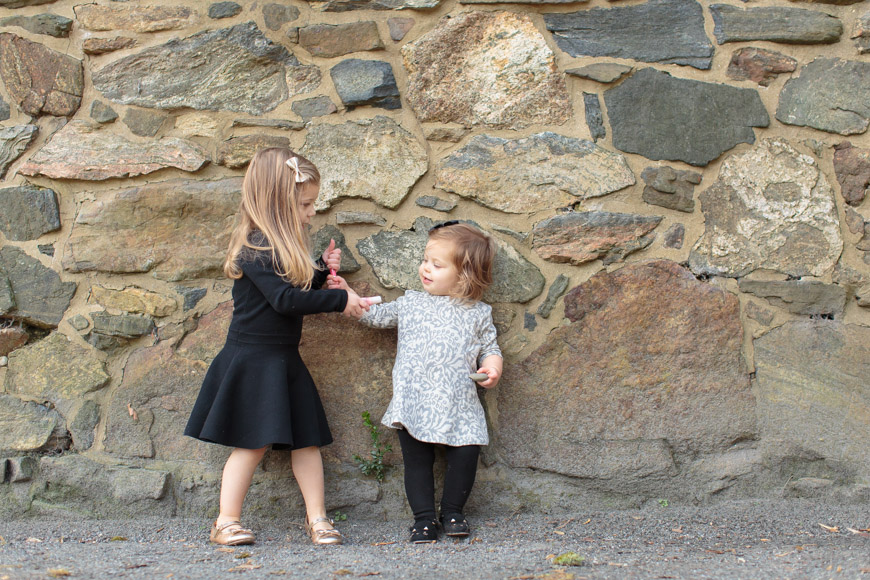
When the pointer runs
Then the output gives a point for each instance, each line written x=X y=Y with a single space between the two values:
x=293 y=163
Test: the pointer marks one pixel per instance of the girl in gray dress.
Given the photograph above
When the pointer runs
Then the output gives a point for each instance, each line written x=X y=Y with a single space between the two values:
x=445 y=335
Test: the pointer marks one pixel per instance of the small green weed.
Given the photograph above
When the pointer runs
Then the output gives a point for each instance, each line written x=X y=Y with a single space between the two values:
x=375 y=464
x=663 y=502
x=339 y=516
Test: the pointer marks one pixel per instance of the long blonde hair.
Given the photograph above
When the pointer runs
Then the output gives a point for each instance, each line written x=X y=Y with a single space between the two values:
x=270 y=196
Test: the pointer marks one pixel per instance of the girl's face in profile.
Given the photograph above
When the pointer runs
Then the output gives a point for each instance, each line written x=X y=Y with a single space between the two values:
x=437 y=272
x=305 y=204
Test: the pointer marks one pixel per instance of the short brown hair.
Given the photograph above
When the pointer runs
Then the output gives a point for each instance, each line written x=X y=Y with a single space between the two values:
x=473 y=256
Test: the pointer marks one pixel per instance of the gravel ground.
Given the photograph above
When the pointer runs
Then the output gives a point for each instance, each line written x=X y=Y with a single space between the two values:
x=735 y=540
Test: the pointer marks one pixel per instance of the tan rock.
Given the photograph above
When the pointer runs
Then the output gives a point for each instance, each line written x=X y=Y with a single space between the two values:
x=539 y=172
x=485 y=68
x=56 y=369
x=134 y=18
x=133 y=299
x=91 y=152
x=176 y=229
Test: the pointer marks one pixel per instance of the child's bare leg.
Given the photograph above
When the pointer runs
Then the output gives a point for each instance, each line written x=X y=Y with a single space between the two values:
x=237 y=476
x=308 y=471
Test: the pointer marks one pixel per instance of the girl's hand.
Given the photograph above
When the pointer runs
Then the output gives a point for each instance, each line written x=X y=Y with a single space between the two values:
x=332 y=256
x=336 y=283
x=494 y=375
x=356 y=306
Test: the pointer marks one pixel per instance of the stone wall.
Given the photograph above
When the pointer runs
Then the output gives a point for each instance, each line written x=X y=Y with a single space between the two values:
x=677 y=190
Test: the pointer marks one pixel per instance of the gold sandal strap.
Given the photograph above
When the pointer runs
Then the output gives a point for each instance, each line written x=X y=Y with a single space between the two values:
x=233 y=528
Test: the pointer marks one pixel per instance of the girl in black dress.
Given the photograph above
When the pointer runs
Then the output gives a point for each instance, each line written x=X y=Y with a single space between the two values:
x=257 y=392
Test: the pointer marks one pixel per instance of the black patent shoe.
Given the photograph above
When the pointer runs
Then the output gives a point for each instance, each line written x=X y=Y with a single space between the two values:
x=424 y=532
x=455 y=525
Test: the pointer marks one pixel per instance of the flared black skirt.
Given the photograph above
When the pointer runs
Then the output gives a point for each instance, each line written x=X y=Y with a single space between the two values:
x=255 y=395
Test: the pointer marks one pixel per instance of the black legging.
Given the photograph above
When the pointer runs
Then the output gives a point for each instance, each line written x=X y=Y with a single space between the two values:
x=419 y=458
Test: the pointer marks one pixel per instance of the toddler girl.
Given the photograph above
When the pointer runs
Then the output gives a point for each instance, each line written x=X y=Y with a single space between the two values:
x=445 y=335
x=257 y=392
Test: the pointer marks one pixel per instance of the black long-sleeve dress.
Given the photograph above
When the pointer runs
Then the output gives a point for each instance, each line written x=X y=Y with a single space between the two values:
x=257 y=390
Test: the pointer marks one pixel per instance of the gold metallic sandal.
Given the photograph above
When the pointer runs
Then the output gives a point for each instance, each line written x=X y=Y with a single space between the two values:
x=323 y=537
x=231 y=534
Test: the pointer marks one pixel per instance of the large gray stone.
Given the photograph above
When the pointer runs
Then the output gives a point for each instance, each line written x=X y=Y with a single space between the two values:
x=55 y=369
x=774 y=23
x=773 y=208
x=540 y=172
x=366 y=82
x=74 y=483
x=813 y=398
x=662 y=117
x=808 y=297
x=40 y=297
x=395 y=255
x=81 y=150
x=662 y=31
x=830 y=95
x=175 y=229
x=13 y=142
x=27 y=212
x=580 y=237
x=235 y=69
x=40 y=80
x=28 y=426
x=485 y=68
x=373 y=159
x=648 y=375
x=48 y=24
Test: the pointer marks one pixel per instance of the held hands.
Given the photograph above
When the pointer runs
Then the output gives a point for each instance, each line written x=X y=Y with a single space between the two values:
x=356 y=306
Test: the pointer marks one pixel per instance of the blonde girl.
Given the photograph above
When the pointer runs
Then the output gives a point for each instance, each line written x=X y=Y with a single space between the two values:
x=257 y=392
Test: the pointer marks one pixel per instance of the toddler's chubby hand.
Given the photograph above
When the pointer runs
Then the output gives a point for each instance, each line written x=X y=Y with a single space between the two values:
x=356 y=306
x=493 y=374
x=332 y=256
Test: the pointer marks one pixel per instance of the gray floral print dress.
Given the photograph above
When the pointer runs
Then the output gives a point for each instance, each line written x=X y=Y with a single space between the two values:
x=441 y=341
